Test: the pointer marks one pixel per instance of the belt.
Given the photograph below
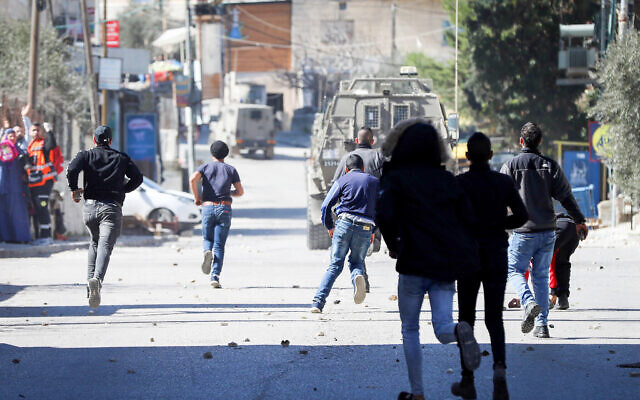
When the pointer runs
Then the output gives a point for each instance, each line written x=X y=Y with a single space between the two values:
x=354 y=221
x=216 y=203
x=93 y=201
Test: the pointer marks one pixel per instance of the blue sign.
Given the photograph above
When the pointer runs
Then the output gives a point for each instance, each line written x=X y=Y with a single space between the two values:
x=581 y=174
x=141 y=136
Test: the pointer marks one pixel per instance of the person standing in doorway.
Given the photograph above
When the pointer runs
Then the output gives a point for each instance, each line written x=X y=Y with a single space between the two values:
x=356 y=194
x=539 y=180
x=217 y=178
x=104 y=191
x=491 y=194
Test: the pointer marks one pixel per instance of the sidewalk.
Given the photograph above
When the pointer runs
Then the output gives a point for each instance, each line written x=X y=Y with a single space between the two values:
x=9 y=250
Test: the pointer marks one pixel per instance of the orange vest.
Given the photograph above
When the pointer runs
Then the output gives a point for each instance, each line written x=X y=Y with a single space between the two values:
x=41 y=170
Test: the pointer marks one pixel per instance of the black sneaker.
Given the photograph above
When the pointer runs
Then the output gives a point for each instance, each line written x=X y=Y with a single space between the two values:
x=94 y=292
x=563 y=302
x=206 y=262
x=500 y=391
x=405 y=396
x=469 y=349
x=531 y=311
x=541 y=332
x=465 y=388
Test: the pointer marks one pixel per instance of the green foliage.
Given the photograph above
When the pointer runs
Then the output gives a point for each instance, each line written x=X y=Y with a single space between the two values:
x=139 y=26
x=508 y=54
x=618 y=106
x=60 y=89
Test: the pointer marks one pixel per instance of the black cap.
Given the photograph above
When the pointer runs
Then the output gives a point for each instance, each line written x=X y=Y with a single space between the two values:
x=219 y=149
x=102 y=135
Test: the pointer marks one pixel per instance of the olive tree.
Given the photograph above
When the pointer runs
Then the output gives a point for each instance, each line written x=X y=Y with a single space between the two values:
x=618 y=106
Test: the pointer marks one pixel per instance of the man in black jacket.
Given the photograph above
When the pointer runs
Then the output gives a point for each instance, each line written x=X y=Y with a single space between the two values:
x=539 y=179
x=423 y=216
x=104 y=189
x=490 y=194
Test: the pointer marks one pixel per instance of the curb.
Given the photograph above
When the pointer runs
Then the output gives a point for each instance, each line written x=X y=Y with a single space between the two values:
x=27 y=250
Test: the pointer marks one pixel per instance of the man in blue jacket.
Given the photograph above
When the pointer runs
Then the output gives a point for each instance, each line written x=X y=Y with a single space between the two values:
x=356 y=192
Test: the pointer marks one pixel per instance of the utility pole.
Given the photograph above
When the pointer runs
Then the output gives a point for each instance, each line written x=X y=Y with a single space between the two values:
x=623 y=18
x=394 y=48
x=456 y=92
x=93 y=94
x=104 y=54
x=190 y=115
x=603 y=16
x=33 y=52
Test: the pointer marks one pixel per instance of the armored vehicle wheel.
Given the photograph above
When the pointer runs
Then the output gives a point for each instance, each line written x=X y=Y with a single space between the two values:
x=317 y=236
x=269 y=152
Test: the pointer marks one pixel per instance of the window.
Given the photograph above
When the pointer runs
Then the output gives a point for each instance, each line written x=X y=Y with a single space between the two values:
x=255 y=114
x=400 y=113
x=372 y=116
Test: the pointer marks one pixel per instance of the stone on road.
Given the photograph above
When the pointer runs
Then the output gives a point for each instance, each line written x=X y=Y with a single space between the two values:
x=162 y=332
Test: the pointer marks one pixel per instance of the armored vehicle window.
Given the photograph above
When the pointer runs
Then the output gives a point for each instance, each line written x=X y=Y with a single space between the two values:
x=400 y=113
x=344 y=107
x=255 y=114
x=372 y=116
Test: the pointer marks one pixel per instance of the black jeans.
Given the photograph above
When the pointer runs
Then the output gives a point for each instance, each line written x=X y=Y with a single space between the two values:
x=567 y=241
x=42 y=218
x=104 y=222
x=493 y=276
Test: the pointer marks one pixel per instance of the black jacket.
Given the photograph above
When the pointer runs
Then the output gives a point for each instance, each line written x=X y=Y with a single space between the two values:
x=539 y=179
x=490 y=193
x=104 y=174
x=424 y=217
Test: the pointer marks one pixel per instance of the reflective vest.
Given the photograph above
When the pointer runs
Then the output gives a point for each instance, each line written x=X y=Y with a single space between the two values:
x=41 y=170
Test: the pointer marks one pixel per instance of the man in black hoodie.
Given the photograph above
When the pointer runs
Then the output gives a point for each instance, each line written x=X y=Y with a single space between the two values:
x=423 y=215
x=490 y=194
x=539 y=179
x=104 y=188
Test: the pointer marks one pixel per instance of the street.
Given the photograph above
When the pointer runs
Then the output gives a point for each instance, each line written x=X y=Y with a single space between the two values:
x=162 y=332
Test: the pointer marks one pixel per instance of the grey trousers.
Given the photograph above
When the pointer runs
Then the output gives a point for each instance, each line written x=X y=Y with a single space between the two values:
x=104 y=222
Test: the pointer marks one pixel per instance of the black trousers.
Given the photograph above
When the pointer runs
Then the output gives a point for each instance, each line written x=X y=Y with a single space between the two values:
x=493 y=277
x=42 y=218
x=567 y=241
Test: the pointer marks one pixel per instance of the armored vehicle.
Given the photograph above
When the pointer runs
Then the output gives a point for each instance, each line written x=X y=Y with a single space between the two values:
x=379 y=103
x=247 y=127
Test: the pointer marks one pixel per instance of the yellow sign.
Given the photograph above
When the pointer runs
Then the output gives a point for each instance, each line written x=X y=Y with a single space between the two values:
x=601 y=141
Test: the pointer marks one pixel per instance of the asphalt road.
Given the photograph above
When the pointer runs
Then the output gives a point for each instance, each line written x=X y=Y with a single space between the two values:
x=159 y=317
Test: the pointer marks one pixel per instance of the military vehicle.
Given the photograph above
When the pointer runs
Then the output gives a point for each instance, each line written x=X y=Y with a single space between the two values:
x=379 y=103
x=247 y=127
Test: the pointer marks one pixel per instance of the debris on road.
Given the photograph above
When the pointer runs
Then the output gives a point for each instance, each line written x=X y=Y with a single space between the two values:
x=232 y=344
x=320 y=333
x=15 y=361
x=284 y=343
x=393 y=297
x=112 y=360
x=304 y=352
x=551 y=326
x=223 y=324
x=632 y=365
x=336 y=302
x=530 y=348
x=152 y=340
x=449 y=371
x=207 y=355
x=296 y=286
x=484 y=353
x=246 y=340
x=130 y=371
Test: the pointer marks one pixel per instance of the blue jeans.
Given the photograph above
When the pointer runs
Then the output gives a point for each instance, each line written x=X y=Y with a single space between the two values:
x=347 y=236
x=216 y=222
x=538 y=247
x=411 y=291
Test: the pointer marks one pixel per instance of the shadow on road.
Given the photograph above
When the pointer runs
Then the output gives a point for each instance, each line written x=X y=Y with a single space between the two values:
x=546 y=371
x=267 y=231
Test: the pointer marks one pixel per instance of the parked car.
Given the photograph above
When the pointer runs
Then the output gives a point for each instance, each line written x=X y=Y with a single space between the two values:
x=154 y=204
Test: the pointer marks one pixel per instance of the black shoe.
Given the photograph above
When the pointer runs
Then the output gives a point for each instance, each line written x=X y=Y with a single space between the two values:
x=500 y=391
x=405 y=396
x=469 y=349
x=465 y=388
x=531 y=311
x=541 y=332
x=563 y=302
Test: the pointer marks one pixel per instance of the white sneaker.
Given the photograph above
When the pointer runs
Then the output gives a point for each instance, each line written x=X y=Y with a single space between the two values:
x=206 y=262
x=94 y=293
x=360 y=290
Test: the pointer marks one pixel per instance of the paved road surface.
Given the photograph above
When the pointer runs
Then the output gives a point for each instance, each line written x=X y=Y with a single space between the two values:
x=159 y=317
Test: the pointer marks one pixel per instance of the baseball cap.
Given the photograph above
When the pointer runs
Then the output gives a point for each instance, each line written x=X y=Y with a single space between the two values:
x=102 y=135
x=10 y=130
